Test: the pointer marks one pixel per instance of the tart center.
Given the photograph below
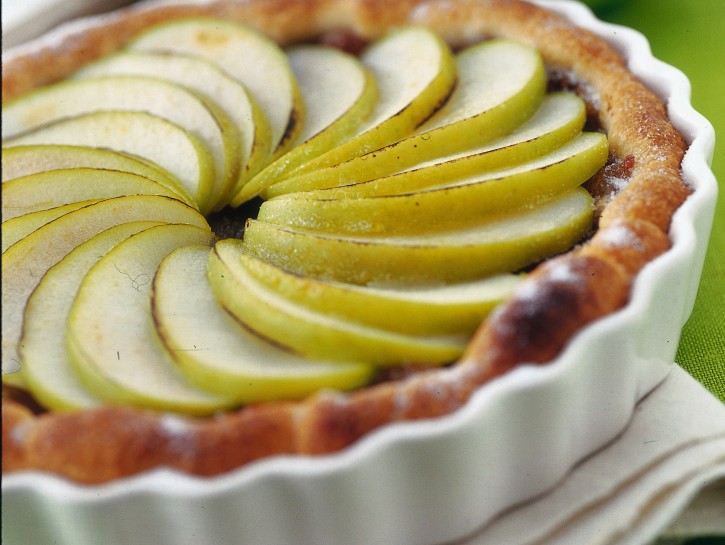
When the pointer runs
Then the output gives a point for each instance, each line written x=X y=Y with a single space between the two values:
x=223 y=222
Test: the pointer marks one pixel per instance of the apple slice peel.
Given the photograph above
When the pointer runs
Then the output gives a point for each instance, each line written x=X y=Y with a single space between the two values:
x=313 y=334
x=559 y=119
x=339 y=94
x=431 y=310
x=137 y=133
x=111 y=339
x=246 y=55
x=167 y=100
x=21 y=161
x=45 y=365
x=504 y=244
x=501 y=84
x=415 y=73
x=45 y=190
x=25 y=262
x=16 y=229
x=218 y=354
x=210 y=81
x=449 y=208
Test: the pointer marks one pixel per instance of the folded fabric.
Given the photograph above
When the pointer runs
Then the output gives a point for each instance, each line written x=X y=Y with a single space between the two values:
x=632 y=489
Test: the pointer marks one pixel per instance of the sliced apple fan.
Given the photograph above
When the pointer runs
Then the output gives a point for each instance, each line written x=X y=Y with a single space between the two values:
x=405 y=188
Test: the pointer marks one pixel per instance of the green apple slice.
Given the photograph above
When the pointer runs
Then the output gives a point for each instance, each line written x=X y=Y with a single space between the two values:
x=138 y=133
x=432 y=310
x=111 y=338
x=339 y=93
x=46 y=368
x=313 y=334
x=45 y=190
x=448 y=208
x=504 y=243
x=246 y=55
x=25 y=160
x=25 y=262
x=215 y=352
x=15 y=379
x=560 y=118
x=415 y=73
x=18 y=228
x=209 y=81
x=501 y=84
x=164 y=99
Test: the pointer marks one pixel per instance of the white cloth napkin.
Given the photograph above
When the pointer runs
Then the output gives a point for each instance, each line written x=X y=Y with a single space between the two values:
x=629 y=492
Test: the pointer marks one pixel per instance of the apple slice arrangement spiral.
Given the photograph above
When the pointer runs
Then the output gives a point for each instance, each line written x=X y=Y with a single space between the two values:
x=404 y=191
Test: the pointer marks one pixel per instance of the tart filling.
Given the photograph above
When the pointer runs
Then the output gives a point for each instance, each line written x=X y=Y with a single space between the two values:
x=531 y=326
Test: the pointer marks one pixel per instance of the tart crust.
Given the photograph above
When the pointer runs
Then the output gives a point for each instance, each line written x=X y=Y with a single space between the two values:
x=558 y=298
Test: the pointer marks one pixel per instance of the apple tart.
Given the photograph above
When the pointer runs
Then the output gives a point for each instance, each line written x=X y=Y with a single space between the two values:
x=400 y=201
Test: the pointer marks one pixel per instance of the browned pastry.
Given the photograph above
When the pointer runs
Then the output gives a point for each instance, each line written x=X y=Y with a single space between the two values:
x=559 y=298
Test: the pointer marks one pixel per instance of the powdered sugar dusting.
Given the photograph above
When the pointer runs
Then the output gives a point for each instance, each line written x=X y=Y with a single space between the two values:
x=561 y=271
x=558 y=271
x=182 y=442
x=617 y=175
x=571 y=81
x=441 y=383
x=529 y=291
x=401 y=400
x=423 y=10
x=617 y=184
x=173 y=425
x=620 y=236
x=19 y=433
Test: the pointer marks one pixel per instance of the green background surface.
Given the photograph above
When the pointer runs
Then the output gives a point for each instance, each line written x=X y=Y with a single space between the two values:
x=690 y=34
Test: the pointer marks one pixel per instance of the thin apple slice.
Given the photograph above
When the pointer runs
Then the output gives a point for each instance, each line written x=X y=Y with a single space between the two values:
x=25 y=160
x=138 y=133
x=313 y=334
x=431 y=310
x=45 y=365
x=18 y=228
x=501 y=84
x=45 y=190
x=415 y=73
x=339 y=94
x=172 y=102
x=246 y=55
x=452 y=207
x=216 y=353
x=560 y=118
x=14 y=379
x=504 y=243
x=25 y=262
x=211 y=82
x=111 y=338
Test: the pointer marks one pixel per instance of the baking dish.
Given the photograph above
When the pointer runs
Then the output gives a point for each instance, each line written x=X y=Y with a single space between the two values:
x=430 y=481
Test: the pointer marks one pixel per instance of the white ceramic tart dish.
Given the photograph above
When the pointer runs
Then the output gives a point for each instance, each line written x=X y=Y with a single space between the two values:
x=435 y=479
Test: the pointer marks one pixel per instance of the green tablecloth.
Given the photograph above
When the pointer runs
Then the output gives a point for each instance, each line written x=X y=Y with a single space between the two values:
x=690 y=34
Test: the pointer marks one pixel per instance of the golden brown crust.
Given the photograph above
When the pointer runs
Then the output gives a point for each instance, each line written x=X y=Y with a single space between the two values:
x=557 y=300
